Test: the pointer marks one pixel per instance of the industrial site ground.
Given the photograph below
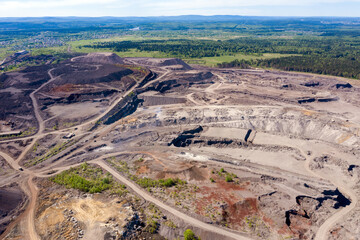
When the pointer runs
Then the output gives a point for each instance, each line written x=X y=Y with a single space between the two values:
x=103 y=147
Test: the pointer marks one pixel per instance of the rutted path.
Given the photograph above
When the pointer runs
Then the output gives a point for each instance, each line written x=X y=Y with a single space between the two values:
x=177 y=213
x=188 y=219
x=38 y=117
x=30 y=188
x=30 y=219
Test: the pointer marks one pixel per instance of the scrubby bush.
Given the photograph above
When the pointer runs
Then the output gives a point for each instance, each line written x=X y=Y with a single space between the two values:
x=190 y=235
x=84 y=178
x=228 y=178
x=152 y=226
x=169 y=182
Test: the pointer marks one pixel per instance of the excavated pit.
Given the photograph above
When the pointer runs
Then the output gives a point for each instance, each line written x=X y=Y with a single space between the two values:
x=250 y=143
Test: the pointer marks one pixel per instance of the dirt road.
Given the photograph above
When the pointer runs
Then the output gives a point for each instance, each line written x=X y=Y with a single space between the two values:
x=192 y=221
x=35 y=103
x=39 y=119
x=31 y=188
x=10 y=161
x=30 y=220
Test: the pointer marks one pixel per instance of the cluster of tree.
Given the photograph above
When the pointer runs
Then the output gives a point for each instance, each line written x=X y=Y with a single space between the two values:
x=325 y=55
x=333 y=47
x=177 y=48
x=75 y=178
x=342 y=67
x=316 y=64
x=236 y=63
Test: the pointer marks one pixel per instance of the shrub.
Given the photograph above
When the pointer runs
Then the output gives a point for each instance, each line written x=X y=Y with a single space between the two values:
x=228 y=178
x=169 y=182
x=153 y=226
x=83 y=178
x=190 y=235
x=106 y=180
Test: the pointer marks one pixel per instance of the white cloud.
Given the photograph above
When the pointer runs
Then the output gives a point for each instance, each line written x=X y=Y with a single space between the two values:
x=12 y=5
x=161 y=4
x=164 y=7
x=200 y=4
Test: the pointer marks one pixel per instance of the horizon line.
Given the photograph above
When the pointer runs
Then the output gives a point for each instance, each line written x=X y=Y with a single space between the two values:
x=187 y=15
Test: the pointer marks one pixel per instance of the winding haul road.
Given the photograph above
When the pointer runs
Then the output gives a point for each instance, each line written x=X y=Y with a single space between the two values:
x=32 y=191
x=190 y=220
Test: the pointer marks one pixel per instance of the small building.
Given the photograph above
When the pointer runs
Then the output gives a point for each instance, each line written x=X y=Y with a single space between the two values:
x=69 y=136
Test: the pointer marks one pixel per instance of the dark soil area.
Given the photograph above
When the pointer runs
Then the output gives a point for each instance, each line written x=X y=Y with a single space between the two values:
x=11 y=201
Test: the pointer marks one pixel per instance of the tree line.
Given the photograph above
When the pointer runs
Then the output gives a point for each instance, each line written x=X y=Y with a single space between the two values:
x=325 y=55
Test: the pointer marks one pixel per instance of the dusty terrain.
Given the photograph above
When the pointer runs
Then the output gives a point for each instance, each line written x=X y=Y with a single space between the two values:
x=250 y=154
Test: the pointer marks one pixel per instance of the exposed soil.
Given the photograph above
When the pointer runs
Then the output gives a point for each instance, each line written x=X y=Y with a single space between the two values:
x=258 y=149
x=12 y=201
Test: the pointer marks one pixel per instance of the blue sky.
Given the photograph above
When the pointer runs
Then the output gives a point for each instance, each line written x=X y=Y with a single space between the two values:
x=95 y=8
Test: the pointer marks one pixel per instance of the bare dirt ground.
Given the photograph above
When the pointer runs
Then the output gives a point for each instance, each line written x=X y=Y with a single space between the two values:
x=70 y=215
x=263 y=154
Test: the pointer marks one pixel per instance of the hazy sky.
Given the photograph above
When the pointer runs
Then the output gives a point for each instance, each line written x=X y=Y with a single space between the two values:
x=30 y=8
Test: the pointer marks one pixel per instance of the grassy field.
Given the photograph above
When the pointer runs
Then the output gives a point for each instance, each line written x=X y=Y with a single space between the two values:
x=207 y=61
x=4 y=52
x=49 y=51
x=77 y=47
x=213 y=61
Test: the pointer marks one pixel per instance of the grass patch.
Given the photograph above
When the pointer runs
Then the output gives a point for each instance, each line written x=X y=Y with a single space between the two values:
x=214 y=61
x=170 y=224
x=35 y=147
x=49 y=51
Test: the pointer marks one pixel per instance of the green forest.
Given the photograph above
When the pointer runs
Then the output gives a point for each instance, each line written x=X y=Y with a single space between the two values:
x=321 y=55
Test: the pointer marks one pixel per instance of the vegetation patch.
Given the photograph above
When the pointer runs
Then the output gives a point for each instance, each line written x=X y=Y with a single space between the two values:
x=27 y=132
x=190 y=235
x=90 y=179
x=162 y=183
x=145 y=182
x=227 y=176
x=52 y=152
x=339 y=57
x=153 y=218
x=85 y=178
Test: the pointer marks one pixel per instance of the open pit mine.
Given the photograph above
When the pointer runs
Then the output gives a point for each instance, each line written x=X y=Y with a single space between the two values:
x=103 y=147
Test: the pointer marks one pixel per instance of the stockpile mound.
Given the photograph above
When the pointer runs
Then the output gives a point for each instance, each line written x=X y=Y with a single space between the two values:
x=171 y=63
x=102 y=58
x=176 y=63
